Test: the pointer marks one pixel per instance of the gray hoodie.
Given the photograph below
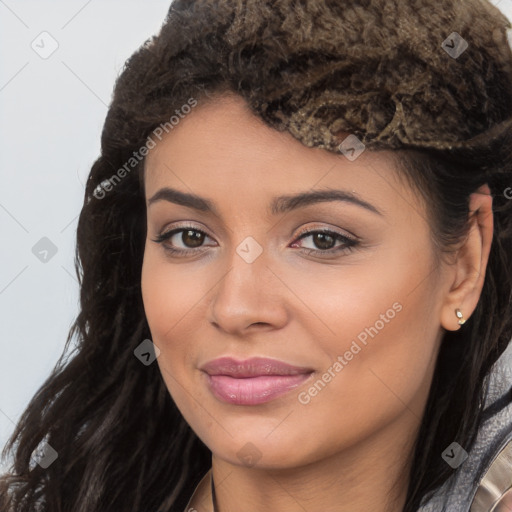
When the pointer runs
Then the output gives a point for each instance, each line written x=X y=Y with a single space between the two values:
x=483 y=481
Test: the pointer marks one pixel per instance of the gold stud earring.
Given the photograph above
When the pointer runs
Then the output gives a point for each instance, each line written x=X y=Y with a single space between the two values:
x=460 y=317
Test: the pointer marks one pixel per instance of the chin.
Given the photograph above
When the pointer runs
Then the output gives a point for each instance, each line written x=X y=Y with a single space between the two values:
x=254 y=446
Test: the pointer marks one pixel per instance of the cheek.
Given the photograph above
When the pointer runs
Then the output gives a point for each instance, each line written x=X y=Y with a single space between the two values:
x=382 y=327
x=380 y=380
x=173 y=302
x=170 y=295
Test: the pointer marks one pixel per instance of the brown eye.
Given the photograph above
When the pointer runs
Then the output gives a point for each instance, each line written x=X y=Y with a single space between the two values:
x=192 y=238
x=182 y=241
x=323 y=240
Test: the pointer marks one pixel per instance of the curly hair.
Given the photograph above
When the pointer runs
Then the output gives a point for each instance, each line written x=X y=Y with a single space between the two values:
x=430 y=79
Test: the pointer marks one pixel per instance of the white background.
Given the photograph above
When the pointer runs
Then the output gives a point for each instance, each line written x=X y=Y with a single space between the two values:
x=52 y=113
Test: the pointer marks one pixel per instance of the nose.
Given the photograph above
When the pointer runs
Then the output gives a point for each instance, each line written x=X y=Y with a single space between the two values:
x=249 y=297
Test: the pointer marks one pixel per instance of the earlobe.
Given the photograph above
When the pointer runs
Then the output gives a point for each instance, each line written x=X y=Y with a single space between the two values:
x=471 y=262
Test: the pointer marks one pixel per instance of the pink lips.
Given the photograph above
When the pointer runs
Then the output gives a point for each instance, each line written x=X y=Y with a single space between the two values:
x=253 y=381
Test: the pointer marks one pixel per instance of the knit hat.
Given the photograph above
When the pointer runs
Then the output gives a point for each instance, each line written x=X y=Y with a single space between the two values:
x=395 y=74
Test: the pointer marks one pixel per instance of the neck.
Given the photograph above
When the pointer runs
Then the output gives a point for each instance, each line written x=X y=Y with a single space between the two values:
x=372 y=475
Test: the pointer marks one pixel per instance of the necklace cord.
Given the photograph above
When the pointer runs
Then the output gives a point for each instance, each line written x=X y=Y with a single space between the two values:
x=214 y=500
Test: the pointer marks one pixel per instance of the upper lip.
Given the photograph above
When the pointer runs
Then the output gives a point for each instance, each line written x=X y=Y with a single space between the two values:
x=253 y=367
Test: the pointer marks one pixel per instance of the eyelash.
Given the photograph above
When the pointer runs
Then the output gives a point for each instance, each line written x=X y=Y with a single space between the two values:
x=349 y=243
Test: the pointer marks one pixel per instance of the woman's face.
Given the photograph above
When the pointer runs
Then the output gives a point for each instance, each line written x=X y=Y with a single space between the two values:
x=345 y=290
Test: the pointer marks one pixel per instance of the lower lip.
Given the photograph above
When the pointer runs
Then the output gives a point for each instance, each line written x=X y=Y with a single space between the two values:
x=253 y=390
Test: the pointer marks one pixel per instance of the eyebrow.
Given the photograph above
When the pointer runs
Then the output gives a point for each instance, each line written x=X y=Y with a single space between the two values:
x=279 y=204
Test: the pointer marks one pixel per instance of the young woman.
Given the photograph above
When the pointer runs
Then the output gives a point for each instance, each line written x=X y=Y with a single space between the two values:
x=295 y=265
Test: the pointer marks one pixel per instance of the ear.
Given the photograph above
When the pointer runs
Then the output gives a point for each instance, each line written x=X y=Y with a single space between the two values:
x=471 y=261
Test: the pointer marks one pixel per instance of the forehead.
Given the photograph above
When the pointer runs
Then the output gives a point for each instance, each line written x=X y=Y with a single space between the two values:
x=221 y=147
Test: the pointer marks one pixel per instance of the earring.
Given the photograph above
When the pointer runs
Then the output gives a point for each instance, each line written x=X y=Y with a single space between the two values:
x=460 y=317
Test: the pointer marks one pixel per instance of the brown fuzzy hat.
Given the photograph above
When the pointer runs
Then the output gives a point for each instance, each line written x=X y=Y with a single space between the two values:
x=424 y=73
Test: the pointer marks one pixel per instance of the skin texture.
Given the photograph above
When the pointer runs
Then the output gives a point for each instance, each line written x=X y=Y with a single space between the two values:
x=344 y=449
